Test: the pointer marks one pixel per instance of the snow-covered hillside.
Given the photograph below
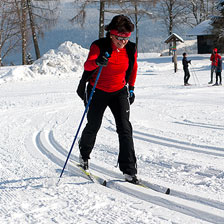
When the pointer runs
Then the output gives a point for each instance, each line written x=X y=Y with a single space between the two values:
x=178 y=136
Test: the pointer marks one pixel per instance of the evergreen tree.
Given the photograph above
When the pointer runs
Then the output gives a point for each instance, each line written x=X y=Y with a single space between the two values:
x=218 y=26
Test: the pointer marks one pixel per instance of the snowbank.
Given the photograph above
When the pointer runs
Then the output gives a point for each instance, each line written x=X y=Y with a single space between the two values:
x=16 y=73
x=65 y=61
x=68 y=58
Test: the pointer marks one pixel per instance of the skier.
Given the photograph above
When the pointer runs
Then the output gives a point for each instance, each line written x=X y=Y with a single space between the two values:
x=115 y=89
x=218 y=71
x=214 y=60
x=186 y=70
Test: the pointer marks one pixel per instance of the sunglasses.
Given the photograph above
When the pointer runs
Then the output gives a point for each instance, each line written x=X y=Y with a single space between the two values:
x=121 y=38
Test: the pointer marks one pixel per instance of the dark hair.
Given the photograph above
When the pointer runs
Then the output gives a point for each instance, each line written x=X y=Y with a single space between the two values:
x=184 y=54
x=121 y=23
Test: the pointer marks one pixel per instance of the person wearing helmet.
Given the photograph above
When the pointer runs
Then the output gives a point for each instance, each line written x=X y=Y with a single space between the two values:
x=214 y=60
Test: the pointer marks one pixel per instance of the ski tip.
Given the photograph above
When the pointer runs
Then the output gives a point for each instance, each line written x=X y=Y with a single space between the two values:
x=167 y=191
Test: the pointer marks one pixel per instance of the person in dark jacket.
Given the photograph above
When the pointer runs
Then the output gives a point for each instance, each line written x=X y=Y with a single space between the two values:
x=185 y=63
x=219 y=71
x=115 y=89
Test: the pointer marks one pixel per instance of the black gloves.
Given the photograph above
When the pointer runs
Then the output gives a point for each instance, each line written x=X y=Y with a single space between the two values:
x=102 y=60
x=84 y=91
x=81 y=90
x=131 y=94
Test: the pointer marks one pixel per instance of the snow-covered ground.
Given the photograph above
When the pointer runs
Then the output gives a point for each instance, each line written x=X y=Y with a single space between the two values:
x=178 y=135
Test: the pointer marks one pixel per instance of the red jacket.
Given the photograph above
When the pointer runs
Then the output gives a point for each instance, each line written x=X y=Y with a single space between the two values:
x=112 y=77
x=214 y=58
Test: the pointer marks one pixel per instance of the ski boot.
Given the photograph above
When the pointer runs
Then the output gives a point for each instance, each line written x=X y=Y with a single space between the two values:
x=131 y=178
x=84 y=163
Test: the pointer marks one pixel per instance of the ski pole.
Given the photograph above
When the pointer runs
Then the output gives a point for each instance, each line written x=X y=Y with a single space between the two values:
x=194 y=73
x=193 y=76
x=83 y=116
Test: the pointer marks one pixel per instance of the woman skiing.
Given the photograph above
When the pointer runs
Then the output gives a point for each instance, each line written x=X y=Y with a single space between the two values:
x=115 y=89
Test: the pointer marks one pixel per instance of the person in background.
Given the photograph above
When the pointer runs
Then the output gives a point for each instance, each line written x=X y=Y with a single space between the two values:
x=185 y=63
x=219 y=71
x=214 y=61
x=115 y=89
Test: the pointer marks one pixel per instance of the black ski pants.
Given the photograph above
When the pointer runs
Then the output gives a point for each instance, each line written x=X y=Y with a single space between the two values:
x=213 y=69
x=218 y=76
x=186 y=75
x=118 y=102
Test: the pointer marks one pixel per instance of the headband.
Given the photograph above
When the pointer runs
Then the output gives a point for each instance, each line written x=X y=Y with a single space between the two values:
x=124 y=34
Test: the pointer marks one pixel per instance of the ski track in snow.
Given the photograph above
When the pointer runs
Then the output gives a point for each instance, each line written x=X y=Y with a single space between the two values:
x=178 y=136
x=179 y=203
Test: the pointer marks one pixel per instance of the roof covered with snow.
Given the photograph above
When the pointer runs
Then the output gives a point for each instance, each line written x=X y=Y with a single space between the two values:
x=202 y=29
x=174 y=36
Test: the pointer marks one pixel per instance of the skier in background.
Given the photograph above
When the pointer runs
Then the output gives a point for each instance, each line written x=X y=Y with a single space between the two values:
x=214 y=60
x=115 y=89
x=185 y=63
x=218 y=71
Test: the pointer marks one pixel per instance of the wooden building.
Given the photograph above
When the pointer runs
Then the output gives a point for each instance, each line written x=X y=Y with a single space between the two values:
x=205 y=38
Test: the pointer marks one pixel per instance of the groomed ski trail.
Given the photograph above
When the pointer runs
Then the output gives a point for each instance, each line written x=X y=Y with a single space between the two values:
x=187 y=204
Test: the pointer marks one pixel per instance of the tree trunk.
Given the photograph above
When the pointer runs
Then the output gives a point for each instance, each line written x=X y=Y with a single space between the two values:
x=136 y=24
x=170 y=32
x=0 y=48
x=32 y=24
x=101 y=22
x=23 y=31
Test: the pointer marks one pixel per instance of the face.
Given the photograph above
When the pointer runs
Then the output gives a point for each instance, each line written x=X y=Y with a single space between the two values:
x=119 y=42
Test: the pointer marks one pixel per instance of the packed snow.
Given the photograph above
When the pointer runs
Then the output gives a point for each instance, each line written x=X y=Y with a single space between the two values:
x=178 y=134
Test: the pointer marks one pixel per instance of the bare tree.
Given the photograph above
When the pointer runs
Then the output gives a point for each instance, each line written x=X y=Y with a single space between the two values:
x=80 y=16
x=172 y=13
x=33 y=29
x=33 y=17
x=136 y=9
x=24 y=30
x=9 y=32
x=101 y=20
x=22 y=19
x=20 y=10
x=42 y=14
x=199 y=10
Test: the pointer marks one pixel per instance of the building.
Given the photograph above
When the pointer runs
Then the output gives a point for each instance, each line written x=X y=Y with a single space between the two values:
x=205 y=38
